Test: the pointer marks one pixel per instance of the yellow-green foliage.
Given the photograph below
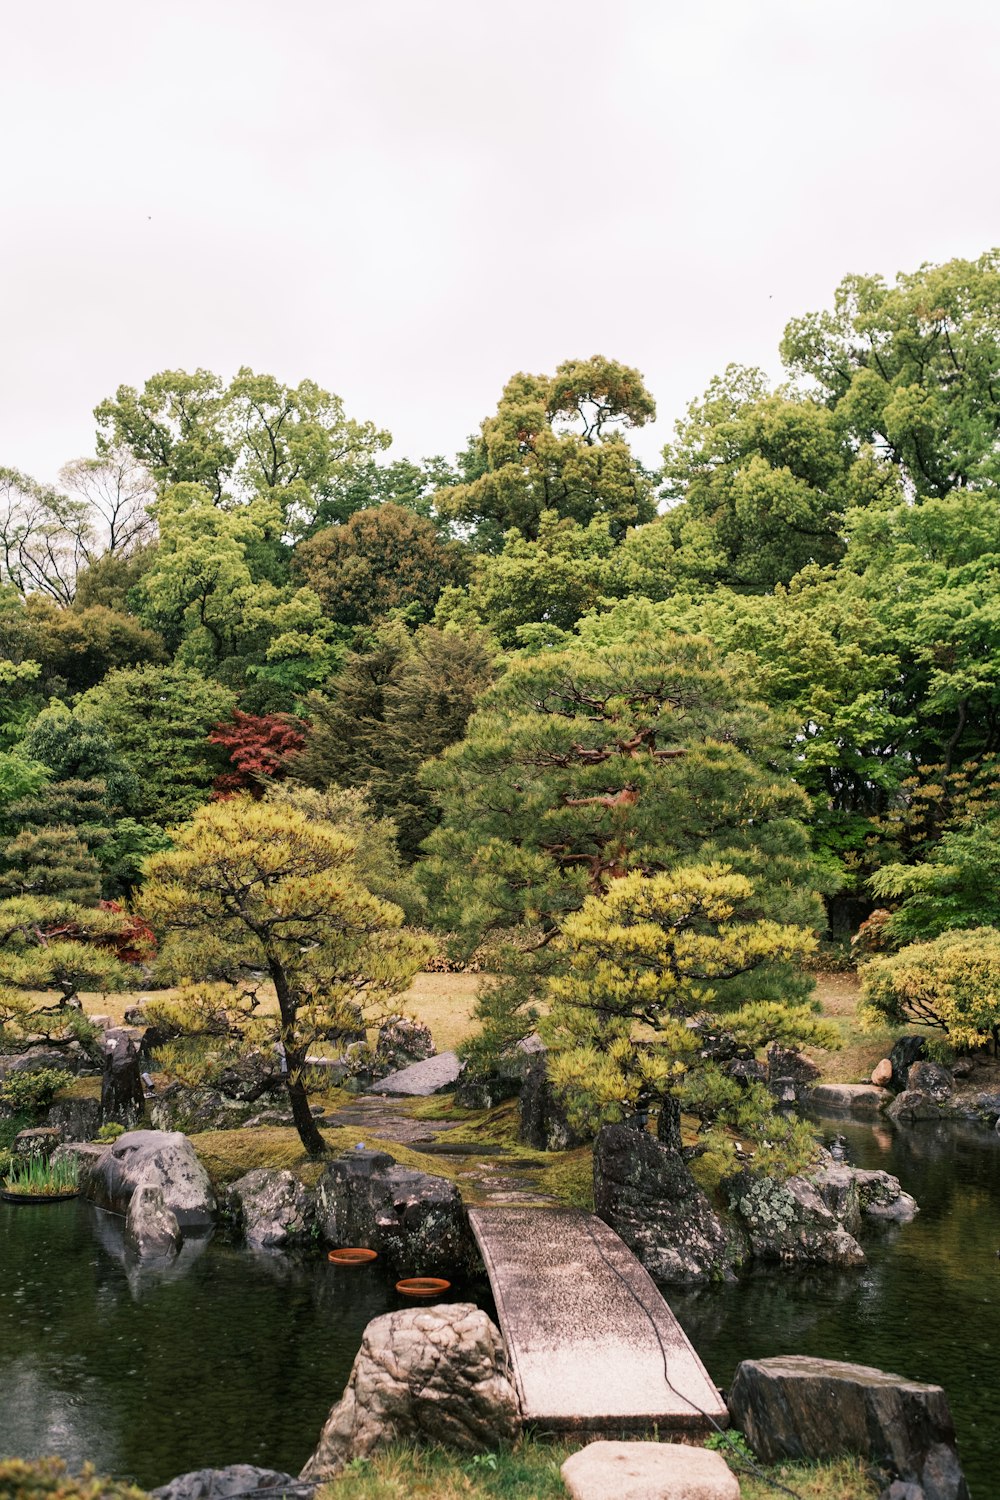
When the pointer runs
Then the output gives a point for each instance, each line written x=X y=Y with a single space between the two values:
x=645 y=958
x=253 y=891
x=47 y=1479
x=952 y=983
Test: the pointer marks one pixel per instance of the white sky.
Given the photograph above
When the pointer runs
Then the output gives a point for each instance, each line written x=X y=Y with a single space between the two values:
x=408 y=200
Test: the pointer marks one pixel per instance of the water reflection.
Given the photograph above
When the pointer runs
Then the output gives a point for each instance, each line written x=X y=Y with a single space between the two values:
x=927 y=1304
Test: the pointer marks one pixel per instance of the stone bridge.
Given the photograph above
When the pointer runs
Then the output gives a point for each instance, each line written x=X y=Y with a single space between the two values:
x=593 y=1345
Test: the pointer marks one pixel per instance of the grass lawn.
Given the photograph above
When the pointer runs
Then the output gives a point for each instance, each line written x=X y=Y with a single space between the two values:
x=531 y=1472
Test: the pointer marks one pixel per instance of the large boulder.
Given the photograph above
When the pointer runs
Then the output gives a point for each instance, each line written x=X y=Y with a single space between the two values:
x=906 y=1050
x=913 y=1106
x=250 y=1077
x=153 y=1158
x=645 y=1192
x=931 y=1078
x=76 y=1117
x=272 y=1209
x=544 y=1122
x=416 y=1221
x=123 y=1100
x=402 y=1040
x=788 y=1221
x=862 y=1100
x=435 y=1075
x=648 y=1471
x=503 y=1080
x=789 y=1074
x=70 y=1059
x=797 y=1407
x=423 y=1375
x=853 y=1194
x=245 y=1481
x=192 y=1110
x=838 y=1188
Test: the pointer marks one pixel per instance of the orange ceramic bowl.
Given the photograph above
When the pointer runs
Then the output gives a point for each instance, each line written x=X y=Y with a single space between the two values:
x=422 y=1286
x=352 y=1256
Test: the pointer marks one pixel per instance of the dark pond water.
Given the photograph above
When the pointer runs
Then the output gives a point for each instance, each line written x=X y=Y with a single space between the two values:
x=927 y=1305
x=226 y=1358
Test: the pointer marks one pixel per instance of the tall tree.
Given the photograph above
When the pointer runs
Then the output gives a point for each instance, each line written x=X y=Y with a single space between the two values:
x=381 y=559
x=585 y=764
x=556 y=444
x=253 y=888
x=399 y=699
x=253 y=438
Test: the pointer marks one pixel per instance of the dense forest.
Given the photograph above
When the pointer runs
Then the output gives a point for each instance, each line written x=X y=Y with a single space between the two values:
x=536 y=680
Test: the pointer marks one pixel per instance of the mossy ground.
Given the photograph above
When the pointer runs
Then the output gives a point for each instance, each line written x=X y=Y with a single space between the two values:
x=531 y=1472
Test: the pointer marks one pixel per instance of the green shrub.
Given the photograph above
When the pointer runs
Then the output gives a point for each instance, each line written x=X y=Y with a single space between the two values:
x=47 y=1479
x=952 y=984
x=110 y=1132
x=33 y=1091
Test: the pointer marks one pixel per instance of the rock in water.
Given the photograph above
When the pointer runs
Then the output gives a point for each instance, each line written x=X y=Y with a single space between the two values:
x=415 y=1220
x=426 y=1375
x=648 y=1471
x=271 y=1207
x=156 y=1158
x=236 y=1480
x=796 y=1407
x=645 y=1192
x=151 y=1229
x=789 y=1221
x=905 y=1052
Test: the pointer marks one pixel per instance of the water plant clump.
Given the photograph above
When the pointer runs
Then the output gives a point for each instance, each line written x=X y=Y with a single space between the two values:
x=35 y=1177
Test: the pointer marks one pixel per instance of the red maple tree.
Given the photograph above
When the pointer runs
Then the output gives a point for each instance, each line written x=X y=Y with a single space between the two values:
x=259 y=748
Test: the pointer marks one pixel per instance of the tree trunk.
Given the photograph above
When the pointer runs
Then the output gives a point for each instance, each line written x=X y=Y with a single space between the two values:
x=305 y=1120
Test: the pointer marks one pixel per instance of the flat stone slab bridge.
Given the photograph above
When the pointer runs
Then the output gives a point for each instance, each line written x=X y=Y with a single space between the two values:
x=592 y=1343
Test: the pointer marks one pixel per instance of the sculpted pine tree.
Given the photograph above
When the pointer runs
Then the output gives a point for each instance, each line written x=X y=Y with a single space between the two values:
x=648 y=961
x=620 y=753
x=253 y=891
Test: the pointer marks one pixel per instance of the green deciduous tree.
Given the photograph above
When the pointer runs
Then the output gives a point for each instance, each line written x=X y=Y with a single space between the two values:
x=254 y=888
x=952 y=983
x=556 y=444
x=381 y=559
x=252 y=438
x=912 y=369
x=158 y=720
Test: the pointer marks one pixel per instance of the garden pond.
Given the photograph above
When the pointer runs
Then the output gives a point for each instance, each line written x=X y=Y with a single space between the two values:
x=232 y=1357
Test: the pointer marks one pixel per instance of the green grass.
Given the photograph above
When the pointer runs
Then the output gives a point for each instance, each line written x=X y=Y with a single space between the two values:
x=34 y=1176
x=531 y=1472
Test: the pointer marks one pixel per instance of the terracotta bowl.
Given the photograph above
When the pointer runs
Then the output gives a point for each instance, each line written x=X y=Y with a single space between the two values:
x=352 y=1256
x=422 y=1286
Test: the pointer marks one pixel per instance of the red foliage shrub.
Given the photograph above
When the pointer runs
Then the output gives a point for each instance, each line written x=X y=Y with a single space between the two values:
x=259 y=749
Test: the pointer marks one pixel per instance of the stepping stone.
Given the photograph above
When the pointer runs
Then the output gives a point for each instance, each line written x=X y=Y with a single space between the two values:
x=648 y=1471
x=421 y=1079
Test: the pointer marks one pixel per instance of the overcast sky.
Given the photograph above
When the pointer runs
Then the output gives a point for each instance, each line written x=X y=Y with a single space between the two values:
x=408 y=200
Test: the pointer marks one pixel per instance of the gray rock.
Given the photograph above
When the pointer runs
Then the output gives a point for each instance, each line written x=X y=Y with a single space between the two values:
x=931 y=1078
x=788 y=1221
x=421 y=1079
x=912 y=1106
x=77 y=1119
x=837 y=1186
x=192 y=1110
x=863 y=1100
x=151 y=1228
x=272 y=1208
x=71 y=1059
x=402 y=1041
x=82 y=1152
x=426 y=1375
x=330 y=1072
x=796 y=1407
x=983 y=1106
x=504 y=1080
x=250 y=1077
x=154 y=1158
x=41 y=1141
x=645 y=1192
x=905 y=1052
x=245 y=1481
x=416 y=1221
x=544 y=1124
x=648 y=1471
x=123 y=1100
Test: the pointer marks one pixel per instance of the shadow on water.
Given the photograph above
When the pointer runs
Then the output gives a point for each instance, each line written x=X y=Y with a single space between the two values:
x=224 y=1357
x=927 y=1305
